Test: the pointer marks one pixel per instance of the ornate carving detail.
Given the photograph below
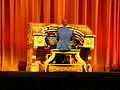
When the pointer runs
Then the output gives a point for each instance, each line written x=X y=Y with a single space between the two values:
x=67 y=68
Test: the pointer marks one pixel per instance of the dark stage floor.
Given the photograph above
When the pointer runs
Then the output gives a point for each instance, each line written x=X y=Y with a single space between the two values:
x=87 y=75
x=60 y=80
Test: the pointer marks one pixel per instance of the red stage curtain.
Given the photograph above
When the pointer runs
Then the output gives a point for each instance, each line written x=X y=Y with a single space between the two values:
x=102 y=16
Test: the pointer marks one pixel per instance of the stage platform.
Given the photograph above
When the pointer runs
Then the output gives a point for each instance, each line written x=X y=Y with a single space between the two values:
x=59 y=80
x=87 y=75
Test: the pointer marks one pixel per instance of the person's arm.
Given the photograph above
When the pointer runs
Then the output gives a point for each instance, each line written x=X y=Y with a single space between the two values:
x=57 y=37
x=72 y=35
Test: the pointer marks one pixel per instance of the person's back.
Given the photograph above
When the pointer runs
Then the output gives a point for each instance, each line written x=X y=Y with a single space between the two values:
x=64 y=36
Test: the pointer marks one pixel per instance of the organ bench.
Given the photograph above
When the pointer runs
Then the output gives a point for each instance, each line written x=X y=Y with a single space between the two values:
x=76 y=52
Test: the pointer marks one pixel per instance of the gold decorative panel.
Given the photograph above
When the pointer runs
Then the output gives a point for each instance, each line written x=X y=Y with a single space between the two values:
x=89 y=41
x=39 y=40
x=65 y=68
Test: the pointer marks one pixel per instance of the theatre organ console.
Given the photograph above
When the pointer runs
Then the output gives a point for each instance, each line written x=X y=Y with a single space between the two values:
x=42 y=41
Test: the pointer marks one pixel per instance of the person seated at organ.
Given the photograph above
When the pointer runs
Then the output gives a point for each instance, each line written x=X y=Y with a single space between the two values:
x=64 y=36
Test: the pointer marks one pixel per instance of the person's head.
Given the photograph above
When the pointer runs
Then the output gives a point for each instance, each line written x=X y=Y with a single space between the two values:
x=64 y=22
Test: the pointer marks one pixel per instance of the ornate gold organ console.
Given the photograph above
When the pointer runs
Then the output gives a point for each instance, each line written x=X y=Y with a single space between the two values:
x=41 y=41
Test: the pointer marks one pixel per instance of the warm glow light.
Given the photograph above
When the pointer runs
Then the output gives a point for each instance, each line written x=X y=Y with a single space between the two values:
x=89 y=58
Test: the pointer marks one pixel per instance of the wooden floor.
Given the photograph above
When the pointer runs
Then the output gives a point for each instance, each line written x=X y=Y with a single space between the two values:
x=60 y=80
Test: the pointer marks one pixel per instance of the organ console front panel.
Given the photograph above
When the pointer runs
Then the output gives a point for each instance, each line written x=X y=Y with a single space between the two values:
x=42 y=38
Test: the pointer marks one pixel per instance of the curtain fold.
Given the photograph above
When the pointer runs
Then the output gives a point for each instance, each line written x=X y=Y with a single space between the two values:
x=0 y=32
x=102 y=16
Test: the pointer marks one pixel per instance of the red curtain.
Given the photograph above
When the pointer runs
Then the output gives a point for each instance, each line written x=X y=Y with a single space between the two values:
x=102 y=16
